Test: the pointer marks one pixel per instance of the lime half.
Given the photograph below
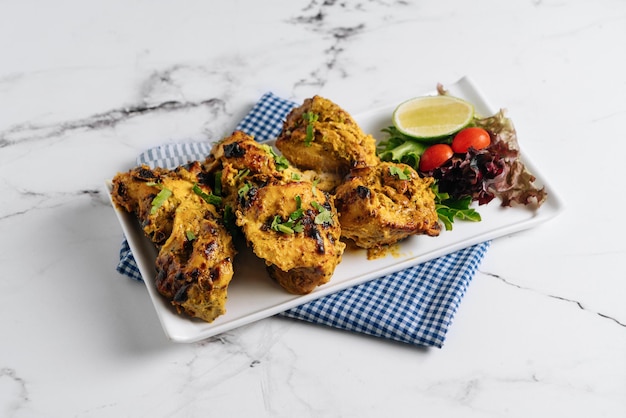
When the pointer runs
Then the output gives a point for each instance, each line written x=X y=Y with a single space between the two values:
x=429 y=118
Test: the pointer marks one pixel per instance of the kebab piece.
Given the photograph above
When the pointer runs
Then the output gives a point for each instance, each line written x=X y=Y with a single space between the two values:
x=239 y=155
x=195 y=260
x=286 y=218
x=293 y=226
x=383 y=204
x=319 y=135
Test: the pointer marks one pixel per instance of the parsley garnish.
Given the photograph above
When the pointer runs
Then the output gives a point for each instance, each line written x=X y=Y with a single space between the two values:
x=289 y=227
x=310 y=118
x=159 y=199
x=242 y=173
x=324 y=216
x=190 y=235
x=281 y=162
x=243 y=190
x=209 y=198
x=314 y=187
x=401 y=174
x=294 y=224
x=297 y=214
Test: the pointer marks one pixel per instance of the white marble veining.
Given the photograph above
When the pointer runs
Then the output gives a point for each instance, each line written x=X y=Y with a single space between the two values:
x=86 y=86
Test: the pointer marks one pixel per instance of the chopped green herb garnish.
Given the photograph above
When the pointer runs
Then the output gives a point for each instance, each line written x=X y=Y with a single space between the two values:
x=209 y=198
x=242 y=173
x=284 y=229
x=324 y=216
x=315 y=183
x=297 y=214
x=295 y=176
x=289 y=227
x=310 y=118
x=243 y=190
x=294 y=224
x=281 y=162
x=401 y=174
x=279 y=226
x=159 y=199
x=190 y=235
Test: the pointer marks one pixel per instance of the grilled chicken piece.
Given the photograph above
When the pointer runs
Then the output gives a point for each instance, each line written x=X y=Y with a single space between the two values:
x=194 y=263
x=135 y=191
x=242 y=152
x=321 y=136
x=261 y=187
x=239 y=155
x=293 y=227
x=384 y=204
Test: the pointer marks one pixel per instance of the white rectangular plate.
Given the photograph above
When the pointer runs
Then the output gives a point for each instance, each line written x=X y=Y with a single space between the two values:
x=252 y=295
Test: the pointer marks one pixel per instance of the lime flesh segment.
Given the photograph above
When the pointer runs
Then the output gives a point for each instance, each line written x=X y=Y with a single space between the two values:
x=432 y=117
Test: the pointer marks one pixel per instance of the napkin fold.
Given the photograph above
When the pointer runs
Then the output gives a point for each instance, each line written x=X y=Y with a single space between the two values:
x=415 y=306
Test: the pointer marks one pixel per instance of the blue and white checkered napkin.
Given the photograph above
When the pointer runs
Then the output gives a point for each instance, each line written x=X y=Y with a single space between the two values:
x=414 y=306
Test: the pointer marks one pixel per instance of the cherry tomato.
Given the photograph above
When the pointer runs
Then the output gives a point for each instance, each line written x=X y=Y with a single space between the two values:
x=434 y=156
x=475 y=137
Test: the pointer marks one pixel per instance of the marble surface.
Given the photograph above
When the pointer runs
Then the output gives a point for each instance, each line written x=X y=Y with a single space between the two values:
x=86 y=86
